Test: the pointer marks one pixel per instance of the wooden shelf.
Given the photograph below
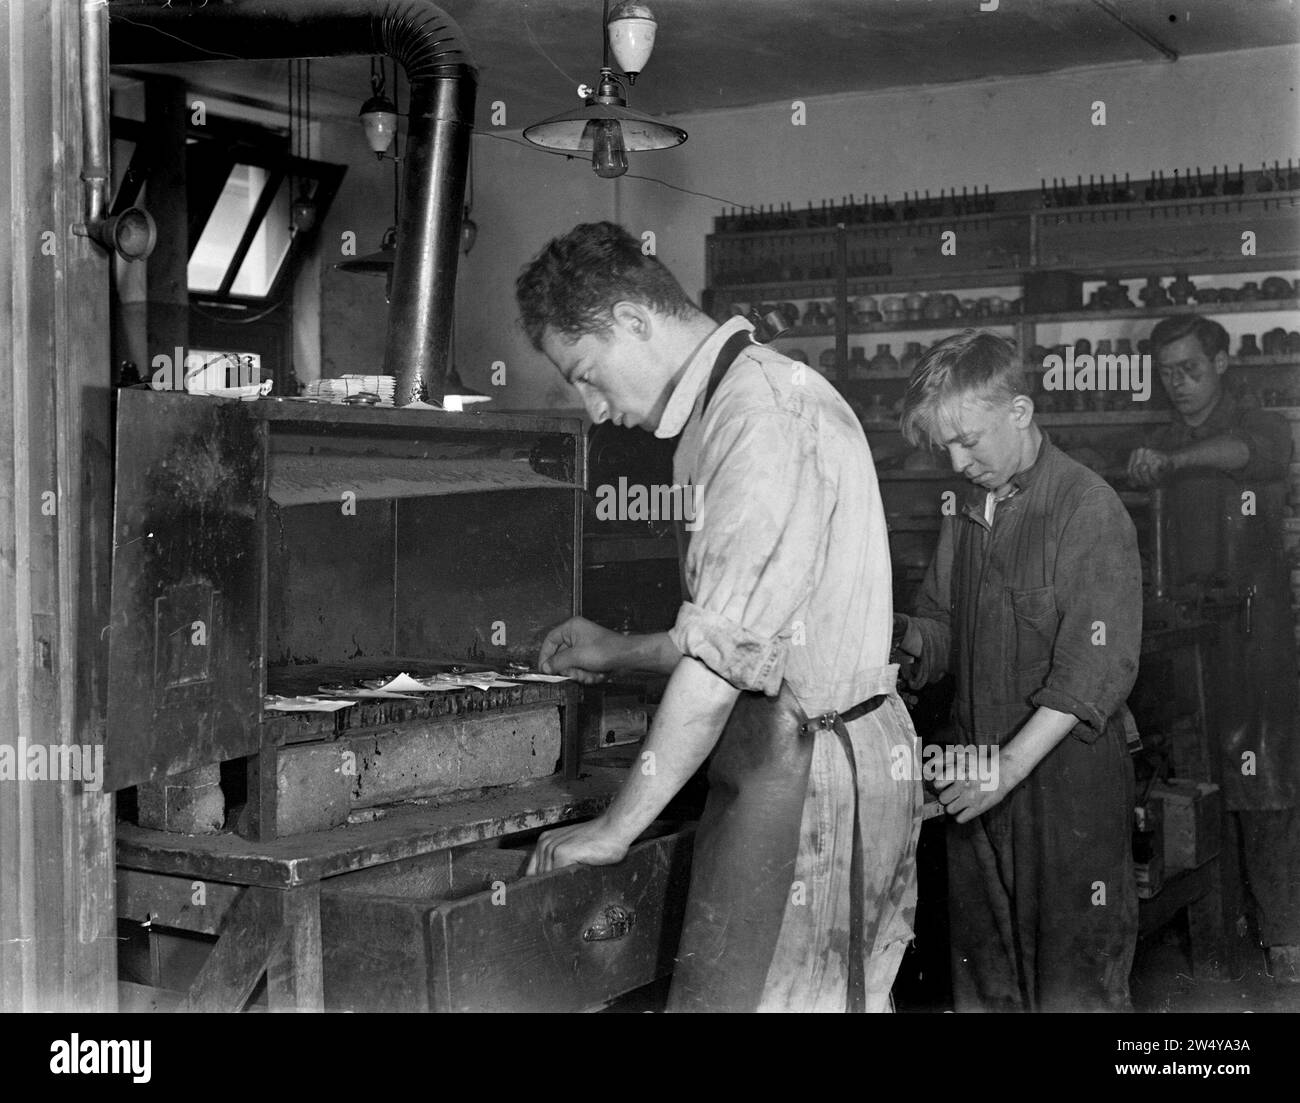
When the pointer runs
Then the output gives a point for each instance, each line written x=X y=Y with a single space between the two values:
x=1285 y=361
x=1136 y=417
x=1027 y=203
x=406 y=831
x=1008 y=321
x=901 y=284
x=883 y=284
x=1257 y=306
x=1233 y=362
x=1020 y=236
x=1192 y=267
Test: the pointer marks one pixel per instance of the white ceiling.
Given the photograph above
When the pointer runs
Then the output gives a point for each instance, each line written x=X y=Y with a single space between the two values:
x=713 y=54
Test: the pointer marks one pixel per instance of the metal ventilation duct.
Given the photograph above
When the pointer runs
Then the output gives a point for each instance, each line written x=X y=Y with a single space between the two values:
x=429 y=46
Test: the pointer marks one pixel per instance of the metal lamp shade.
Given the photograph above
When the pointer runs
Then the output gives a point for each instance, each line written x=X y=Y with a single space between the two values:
x=377 y=263
x=568 y=130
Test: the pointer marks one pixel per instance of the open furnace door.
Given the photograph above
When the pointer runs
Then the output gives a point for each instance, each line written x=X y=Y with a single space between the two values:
x=186 y=666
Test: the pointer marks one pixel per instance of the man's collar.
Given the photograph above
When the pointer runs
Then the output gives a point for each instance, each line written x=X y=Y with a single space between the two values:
x=1024 y=479
x=681 y=403
x=1219 y=418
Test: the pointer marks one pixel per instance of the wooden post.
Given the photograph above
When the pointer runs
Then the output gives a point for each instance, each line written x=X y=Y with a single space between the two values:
x=57 y=925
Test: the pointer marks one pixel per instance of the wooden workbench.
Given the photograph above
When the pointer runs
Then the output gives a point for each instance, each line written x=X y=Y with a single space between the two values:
x=262 y=898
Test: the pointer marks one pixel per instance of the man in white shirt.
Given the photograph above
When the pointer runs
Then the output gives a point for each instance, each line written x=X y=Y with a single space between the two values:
x=803 y=883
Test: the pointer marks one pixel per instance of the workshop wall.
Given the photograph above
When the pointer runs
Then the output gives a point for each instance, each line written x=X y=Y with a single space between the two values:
x=522 y=198
x=353 y=314
x=1159 y=115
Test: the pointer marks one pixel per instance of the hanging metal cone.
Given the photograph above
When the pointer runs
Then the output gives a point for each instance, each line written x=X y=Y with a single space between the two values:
x=568 y=130
x=378 y=263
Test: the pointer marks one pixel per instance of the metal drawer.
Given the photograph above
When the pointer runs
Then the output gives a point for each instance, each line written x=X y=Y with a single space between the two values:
x=462 y=930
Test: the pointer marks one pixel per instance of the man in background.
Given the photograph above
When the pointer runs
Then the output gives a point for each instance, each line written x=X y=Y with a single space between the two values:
x=1223 y=470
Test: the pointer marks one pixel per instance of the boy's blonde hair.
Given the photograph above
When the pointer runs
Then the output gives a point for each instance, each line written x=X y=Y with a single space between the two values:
x=973 y=364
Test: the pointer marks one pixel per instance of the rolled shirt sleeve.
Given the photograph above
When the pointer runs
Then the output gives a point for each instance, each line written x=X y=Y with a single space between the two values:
x=759 y=538
x=1098 y=591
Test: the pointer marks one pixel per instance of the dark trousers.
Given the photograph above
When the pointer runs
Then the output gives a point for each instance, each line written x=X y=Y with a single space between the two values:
x=1042 y=902
x=1270 y=842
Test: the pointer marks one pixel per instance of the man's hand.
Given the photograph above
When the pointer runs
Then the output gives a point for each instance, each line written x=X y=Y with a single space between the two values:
x=1147 y=466
x=1014 y=761
x=906 y=643
x=594 y=843
x=965 y=800
x=582 y=650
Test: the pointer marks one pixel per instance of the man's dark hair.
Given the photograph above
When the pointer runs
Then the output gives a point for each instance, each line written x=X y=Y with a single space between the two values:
x=1213 y=337
x=571 y=286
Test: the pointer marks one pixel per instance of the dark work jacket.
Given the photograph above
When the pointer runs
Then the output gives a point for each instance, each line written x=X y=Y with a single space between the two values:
x=1042 y=609
x=1216 y=534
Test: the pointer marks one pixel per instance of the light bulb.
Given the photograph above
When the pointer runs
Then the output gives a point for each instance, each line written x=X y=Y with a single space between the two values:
x=379 y=120
x=608 y=153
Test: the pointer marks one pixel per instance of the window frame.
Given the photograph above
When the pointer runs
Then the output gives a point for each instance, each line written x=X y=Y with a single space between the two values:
x=217 y=147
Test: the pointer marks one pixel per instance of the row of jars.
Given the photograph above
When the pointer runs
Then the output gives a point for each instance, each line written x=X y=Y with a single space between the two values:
x=1181 y=291
x=891 y=310
x=859 y=367
x=869 y=311
x=1276 y=342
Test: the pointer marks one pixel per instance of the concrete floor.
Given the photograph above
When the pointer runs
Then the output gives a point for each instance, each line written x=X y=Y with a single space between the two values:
x=1162 y=981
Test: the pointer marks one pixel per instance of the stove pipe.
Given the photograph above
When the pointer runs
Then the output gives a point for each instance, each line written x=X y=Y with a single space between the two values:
x=429 y=46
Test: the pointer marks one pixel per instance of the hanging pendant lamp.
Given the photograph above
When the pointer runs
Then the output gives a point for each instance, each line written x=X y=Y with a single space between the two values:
x=604 y=125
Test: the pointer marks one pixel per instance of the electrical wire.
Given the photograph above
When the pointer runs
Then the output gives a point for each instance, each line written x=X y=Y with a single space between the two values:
x=397 y=139
x=242 y=321
x=538 y=47
x=183 y=41
x=688 y=191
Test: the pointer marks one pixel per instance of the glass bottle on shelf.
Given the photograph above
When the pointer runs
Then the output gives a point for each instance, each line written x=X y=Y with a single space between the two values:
x=858 y=363
x=1153 y=294
x=883 y=361
x=1181 y=290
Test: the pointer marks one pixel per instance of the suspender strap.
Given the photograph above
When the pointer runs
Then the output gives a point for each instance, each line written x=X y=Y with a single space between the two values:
x=735 y=343
x=837 y=722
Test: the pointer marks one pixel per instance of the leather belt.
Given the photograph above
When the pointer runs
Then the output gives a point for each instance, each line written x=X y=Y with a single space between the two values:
x=826 y=721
